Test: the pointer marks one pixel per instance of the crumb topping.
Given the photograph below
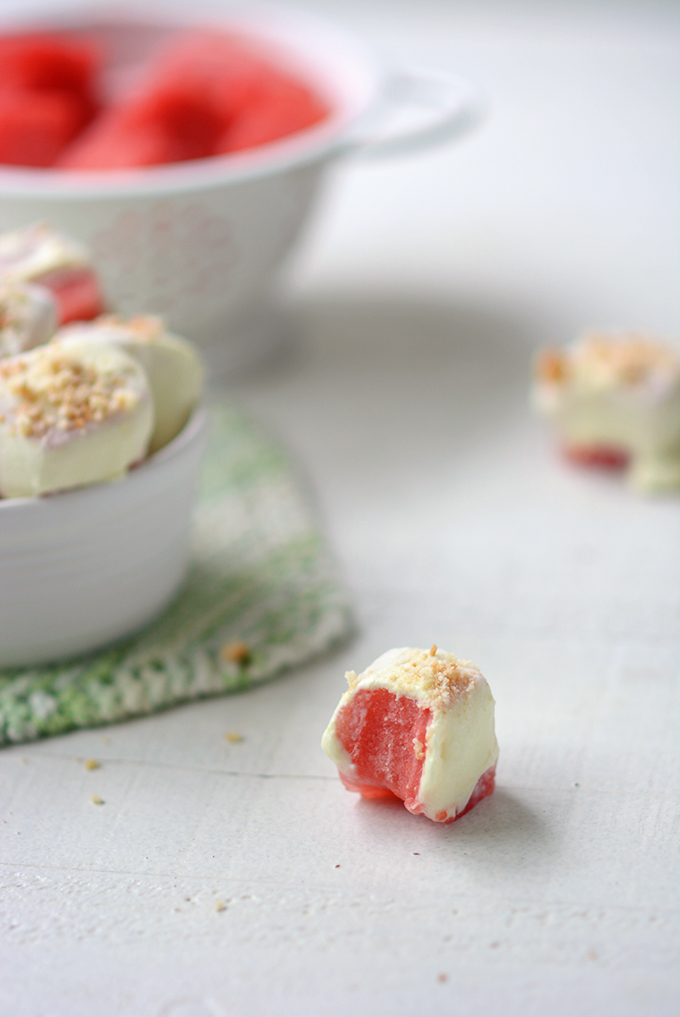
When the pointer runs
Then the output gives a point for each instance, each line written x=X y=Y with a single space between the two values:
x=607 y=360
x=51 y=389
x=437 y=677
x=146 y=327
x=235 y=652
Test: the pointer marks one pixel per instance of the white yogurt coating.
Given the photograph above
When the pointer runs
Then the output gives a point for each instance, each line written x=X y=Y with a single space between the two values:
x=460 y=743
x=28 y=317
x=619 y=390
x=29 y=253
x=71 y=416
x=172 y=365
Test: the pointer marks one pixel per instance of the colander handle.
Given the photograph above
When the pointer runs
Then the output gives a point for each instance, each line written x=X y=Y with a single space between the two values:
x=440 y=106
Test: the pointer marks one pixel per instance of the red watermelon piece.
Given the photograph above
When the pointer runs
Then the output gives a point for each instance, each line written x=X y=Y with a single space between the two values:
x=167 y=125
x=207 y=94
x=280 y=107
x=377 y=730
x=48 y=62
x=36 y=126
x=76 y=290
x=605 y=456
x=47 y=95
x=222 y=67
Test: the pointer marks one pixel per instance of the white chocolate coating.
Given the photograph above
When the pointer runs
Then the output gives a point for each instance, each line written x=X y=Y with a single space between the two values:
x=172 y=365
x=70 y=417
x=29 y=253
x=460 y=740
x=28 y=317
x=620 y=391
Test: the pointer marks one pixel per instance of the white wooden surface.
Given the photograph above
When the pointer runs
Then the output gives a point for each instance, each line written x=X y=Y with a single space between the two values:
x=423 y=288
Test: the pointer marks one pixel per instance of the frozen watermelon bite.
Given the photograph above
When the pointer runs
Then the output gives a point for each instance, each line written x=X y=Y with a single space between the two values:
x=614 y=401
x=417 y=725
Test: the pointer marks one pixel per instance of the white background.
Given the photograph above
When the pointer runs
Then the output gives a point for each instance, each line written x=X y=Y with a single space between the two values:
x=423 y=288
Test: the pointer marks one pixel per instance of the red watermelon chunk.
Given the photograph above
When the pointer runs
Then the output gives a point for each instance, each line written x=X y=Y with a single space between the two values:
x=606 y=456
x=47 y=95
x=377 y=729
x=76 y=290
x=44 y=62
x=222 y=67
x=36 y=126
x=172 y=124
x=280 y=107
x=207 y=94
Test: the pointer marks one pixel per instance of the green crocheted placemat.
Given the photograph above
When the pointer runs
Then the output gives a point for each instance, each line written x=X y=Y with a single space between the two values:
x=261 y=575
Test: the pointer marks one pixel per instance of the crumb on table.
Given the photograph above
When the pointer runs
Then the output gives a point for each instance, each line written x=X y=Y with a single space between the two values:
x=235 y=652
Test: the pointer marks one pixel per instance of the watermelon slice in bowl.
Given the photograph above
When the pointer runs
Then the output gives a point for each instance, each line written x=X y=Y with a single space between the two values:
x=201 y=240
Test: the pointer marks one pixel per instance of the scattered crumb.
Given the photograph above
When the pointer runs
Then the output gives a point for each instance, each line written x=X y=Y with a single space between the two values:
x=237 y=652
x=91 y=764
x=220 y=905
x=592 y=955
x=233 y=736
x=337 y=866
x=415 y=852
x=96 y=800
x=433 y=650
x=442 y=977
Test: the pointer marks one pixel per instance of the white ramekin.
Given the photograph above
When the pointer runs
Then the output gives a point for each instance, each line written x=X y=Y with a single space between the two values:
x=201 y=242
x=82 y=568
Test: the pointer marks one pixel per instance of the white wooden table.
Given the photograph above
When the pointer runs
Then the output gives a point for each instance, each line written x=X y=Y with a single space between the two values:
x=423 y=288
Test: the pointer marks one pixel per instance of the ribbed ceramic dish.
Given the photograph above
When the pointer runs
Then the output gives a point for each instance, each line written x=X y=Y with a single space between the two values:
x=82 y=568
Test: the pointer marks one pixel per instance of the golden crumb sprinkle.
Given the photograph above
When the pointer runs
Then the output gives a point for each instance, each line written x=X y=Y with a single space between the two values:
x=436 y=677
x=233 y=736
x=352 y=679
x=551 y=366
x=148 y=327
x=96 y=800
x=441 y=677
x=607 y=359
x=220 y=905
x=235 y=652
x=91 y=764
x=55 y=390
